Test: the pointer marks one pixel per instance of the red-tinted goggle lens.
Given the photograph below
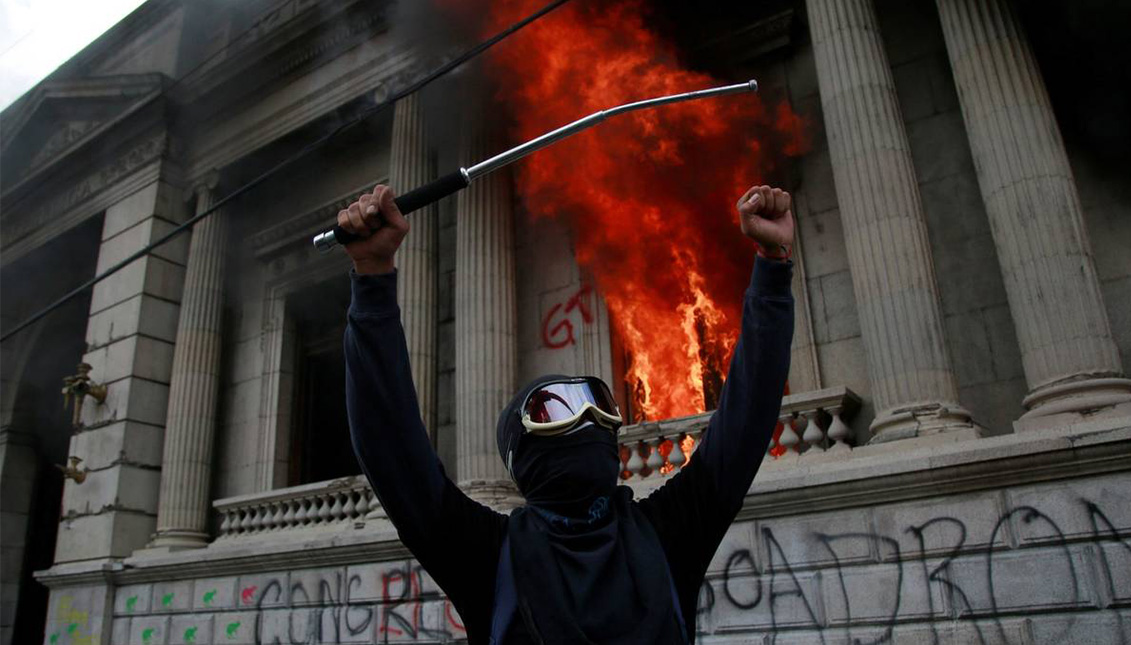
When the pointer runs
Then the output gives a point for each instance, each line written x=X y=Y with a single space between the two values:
x=560 y=401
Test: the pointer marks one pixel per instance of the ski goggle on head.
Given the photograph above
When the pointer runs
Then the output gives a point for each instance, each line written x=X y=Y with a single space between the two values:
x=557 y=406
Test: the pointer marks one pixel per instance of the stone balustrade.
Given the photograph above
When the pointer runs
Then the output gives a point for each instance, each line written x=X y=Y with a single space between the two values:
x=812 y=423
x=322 y=505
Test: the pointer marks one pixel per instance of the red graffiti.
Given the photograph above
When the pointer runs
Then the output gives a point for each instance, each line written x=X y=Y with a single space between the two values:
x=402 y=607
x=248 y=595
x=409 y=595
x=453 y=620
x=560 y=334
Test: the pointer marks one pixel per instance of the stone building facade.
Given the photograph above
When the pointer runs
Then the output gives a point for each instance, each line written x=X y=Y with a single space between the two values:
x=954 y=464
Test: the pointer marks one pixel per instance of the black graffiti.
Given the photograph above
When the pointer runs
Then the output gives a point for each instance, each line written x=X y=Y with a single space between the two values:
x=779 y=586
x=1028 y=515
x=329 y=615
x=1109 y=533
x=772 y=546
x=411 y=598
x=735 y=559
x=936 y=574
x=828 y=541
x=359 y=628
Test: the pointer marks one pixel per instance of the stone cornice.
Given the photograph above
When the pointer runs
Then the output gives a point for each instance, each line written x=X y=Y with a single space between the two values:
x=151 y=86
x=384 y=71
x=268 y=49
x=85 y=194
x=889 y=473
x=931 y=471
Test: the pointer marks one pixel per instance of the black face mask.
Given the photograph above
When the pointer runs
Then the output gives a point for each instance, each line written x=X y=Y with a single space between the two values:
x=572 y=475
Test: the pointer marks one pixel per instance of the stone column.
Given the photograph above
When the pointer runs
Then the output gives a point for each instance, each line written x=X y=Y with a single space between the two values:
x=190 y=427
x=1071 y=361
x=485 y=327
x=416 y=259
x=884 y=227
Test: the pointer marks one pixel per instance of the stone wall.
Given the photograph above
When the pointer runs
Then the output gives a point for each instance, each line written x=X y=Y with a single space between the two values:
x=852 y=550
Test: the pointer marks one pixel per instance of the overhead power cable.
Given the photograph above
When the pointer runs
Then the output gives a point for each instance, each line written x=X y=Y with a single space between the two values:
x=312 y=146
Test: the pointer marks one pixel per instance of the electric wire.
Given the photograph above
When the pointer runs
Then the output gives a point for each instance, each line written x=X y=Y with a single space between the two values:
x=311 y=147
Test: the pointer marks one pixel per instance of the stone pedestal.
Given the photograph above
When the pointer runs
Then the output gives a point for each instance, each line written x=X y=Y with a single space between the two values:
x=1070 y=358
x=416 y=259
x=884 y=227
x=485 y=328
x=190 y=428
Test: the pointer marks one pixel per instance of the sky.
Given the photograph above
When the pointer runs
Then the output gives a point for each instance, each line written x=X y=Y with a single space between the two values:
x=37 y=36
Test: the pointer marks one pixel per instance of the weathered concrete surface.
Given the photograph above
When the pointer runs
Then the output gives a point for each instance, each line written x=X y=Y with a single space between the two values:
x=1039 y=560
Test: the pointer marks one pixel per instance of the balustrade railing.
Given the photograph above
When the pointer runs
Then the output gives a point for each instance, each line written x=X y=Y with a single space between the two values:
x=812 y=423
x=659 y=448
x=323 y=505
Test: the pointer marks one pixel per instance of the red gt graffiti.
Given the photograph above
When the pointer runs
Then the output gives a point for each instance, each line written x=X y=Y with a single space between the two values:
x=557 y=328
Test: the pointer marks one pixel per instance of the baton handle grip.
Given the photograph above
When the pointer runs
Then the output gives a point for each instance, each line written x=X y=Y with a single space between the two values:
x=413 y=200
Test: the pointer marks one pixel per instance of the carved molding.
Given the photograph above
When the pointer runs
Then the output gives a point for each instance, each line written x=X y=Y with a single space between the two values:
x=752 y=40
x=297 y=230
x=62 y=138
x=77 y=198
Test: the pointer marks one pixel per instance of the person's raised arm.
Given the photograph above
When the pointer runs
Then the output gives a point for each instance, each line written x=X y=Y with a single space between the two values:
x=742 y=425
x=388 y=435
x=694 y=508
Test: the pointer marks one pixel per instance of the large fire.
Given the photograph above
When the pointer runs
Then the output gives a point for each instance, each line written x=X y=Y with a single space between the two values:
x=649 y=196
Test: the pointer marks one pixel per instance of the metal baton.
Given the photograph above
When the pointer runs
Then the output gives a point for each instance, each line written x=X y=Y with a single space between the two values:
x=455 y=181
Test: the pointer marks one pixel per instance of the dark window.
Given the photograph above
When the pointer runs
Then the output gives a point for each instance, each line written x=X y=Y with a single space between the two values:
x=320 y=443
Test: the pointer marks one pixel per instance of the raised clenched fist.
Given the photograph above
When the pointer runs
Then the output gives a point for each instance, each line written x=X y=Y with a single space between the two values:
x=375 y=218
x=765 y=215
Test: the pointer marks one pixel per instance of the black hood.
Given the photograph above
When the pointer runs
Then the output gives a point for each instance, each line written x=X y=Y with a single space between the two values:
x=509 y=430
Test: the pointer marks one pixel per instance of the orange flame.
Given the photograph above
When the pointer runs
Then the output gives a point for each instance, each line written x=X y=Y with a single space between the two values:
x=650 y=195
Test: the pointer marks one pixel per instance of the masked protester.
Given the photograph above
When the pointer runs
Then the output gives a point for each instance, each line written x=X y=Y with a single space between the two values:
x=581 y=562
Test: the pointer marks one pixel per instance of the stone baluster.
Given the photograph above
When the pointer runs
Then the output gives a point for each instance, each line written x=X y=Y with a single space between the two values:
x=813 y=436
x=884 y=226
x=655 y=459
x=788 y=438
x=1070 y=359
x=676 y=457
x=838 y=430
x=635 y=461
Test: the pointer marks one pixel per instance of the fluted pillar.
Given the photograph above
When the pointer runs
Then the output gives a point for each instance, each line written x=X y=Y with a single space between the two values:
x=190 y=428
x=416 y=259
x=1070 y=358
x=913 y=384
x=485 y=327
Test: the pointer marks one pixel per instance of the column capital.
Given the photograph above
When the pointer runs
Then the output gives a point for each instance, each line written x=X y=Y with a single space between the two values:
x=204 y=185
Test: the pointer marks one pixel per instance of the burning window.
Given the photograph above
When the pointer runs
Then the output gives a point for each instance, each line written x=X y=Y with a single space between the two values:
x=649 y=196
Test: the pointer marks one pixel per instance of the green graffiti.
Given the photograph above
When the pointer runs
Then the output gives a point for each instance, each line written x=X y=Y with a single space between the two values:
x=233 y=628
x=190 y=634
x=147 y=635
x=209 y=596
x=131 y=602
x=166 y=600
x=72 y=627
x=54 y=638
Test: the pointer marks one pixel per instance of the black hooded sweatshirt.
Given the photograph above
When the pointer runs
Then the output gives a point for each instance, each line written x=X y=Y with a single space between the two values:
x=458 y=541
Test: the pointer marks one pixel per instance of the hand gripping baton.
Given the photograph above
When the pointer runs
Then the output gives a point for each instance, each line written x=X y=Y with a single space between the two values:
x=455 y=181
